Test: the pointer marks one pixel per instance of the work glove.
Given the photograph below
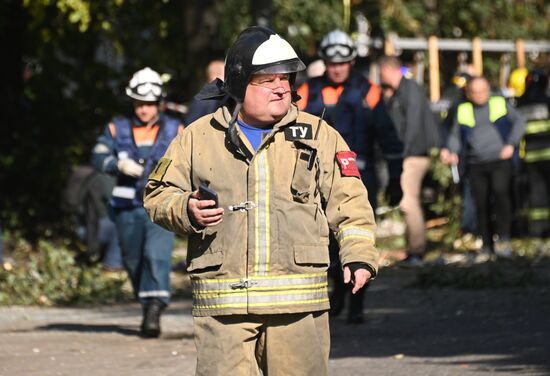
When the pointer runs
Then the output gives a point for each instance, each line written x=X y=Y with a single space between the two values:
x=393 y=192
x=130 y=167
x=354 y=266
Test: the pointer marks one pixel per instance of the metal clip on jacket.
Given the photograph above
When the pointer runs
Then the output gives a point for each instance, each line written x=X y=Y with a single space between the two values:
x=243 y=284
x=243 y=206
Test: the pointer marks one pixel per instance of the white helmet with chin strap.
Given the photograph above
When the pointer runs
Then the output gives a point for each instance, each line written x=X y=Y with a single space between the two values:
x=337 y=47
x=145 y=85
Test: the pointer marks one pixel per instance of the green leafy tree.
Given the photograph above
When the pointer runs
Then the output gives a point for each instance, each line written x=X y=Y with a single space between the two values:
x=79 y=54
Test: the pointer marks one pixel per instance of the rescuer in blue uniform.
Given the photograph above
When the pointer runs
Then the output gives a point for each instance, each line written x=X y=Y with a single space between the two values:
x=130 y=148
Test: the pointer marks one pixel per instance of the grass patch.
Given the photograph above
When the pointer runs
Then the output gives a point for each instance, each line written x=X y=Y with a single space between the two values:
x=48 y=274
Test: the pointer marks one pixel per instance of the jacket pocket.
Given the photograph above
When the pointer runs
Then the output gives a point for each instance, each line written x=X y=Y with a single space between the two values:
x=205 y=261
x=304 y=175
x=315 y=255
x=203 y=252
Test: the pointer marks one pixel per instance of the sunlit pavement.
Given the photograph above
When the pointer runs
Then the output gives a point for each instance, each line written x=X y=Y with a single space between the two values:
x=408 y=331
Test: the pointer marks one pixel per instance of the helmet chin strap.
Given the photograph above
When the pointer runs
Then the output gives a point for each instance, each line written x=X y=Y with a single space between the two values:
x=232 y=129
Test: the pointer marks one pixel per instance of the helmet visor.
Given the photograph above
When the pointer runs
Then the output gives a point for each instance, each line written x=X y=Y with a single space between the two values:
x=285 y=66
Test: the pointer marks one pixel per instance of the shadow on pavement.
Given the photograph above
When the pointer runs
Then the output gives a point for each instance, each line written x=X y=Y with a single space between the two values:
x=498 y=329
x=124 y=330
x=90 y=328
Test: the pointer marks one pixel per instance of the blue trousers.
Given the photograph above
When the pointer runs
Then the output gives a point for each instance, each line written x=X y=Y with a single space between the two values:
x=146 y=252
x=108 y=236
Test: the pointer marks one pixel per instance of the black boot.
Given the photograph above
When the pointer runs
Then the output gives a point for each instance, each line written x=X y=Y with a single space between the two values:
x=150 y=326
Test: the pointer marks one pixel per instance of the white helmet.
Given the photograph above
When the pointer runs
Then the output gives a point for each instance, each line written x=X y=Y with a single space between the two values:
x=145 y=85
x=337 y=47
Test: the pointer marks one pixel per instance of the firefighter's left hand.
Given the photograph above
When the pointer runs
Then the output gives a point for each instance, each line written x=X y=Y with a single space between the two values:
x=506 y=152
x=359 y=279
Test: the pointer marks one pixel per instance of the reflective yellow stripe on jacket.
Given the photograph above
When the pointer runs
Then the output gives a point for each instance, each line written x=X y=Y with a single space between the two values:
x=537 y=155
x=261 y=231
x=537 y=126
x=260 y=291
x=354 y=233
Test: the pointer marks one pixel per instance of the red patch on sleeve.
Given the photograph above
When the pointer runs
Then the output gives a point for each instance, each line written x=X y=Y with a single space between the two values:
x=348 y=163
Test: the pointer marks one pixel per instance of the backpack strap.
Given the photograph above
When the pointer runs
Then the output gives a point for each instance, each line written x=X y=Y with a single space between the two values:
x=124 y=138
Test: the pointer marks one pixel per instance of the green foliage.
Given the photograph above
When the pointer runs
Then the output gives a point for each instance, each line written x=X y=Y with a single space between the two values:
x=81 y=53
x=305 y=22
x=236 y=18
x=50 y=275
x=79 y=56
x=487 y=19
x=448 y=200
x=491 y=19
x=301 y=22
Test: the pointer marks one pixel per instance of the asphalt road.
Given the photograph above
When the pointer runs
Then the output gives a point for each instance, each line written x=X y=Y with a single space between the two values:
x=409 y=331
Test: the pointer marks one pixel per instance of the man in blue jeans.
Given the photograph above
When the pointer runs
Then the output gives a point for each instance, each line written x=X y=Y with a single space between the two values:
x=130 y=148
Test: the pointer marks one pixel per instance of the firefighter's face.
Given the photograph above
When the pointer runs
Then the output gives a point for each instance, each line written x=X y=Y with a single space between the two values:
x=338 y=73
x=267 y=99
x=146 y=111
x=478 y=91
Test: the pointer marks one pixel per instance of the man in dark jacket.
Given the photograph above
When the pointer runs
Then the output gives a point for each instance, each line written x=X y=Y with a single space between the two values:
x=417 y=129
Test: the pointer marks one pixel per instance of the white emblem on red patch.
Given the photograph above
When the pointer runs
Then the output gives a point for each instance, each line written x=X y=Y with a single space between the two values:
x=348 y=163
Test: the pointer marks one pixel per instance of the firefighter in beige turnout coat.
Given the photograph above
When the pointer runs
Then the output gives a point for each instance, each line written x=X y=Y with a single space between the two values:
x=258 y=262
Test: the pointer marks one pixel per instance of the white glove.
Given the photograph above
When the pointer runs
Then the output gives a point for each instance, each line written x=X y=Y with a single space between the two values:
x=130 y=167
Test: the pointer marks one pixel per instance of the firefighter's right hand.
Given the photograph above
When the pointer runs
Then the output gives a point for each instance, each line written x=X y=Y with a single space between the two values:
x=201 y=212
x=130 y=167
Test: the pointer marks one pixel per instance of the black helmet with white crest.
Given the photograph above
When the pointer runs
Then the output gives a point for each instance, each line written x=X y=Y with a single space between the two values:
x=257 y=50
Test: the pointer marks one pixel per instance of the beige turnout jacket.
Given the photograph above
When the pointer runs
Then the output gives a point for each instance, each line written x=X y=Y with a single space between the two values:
x=270 y=253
